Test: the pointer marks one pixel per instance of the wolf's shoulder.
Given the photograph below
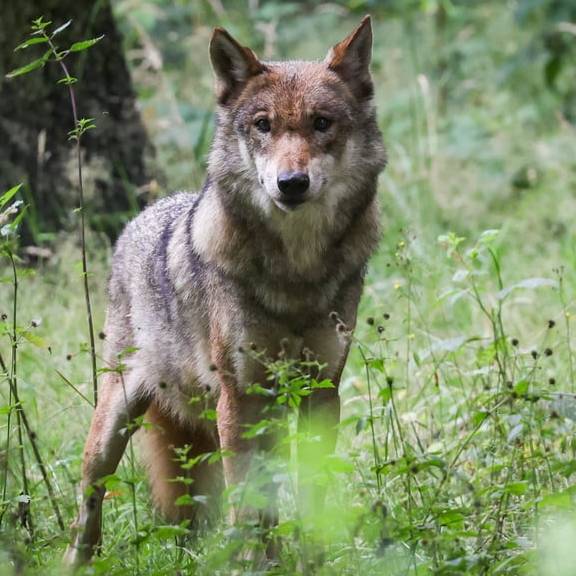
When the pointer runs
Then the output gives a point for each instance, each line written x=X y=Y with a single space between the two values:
x=153 y=219
x=166 y=208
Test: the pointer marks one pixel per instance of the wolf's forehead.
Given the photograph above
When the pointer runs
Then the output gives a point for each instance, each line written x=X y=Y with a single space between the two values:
x=294 y=89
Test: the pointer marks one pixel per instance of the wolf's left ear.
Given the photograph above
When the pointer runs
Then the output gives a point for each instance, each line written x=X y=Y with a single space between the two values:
x=350 y=59
x=233 y=64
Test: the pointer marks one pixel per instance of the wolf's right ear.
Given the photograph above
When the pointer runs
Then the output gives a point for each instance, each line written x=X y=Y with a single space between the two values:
x=233 y=64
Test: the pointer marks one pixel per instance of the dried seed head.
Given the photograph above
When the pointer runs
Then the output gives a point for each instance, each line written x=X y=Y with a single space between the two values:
x=162 y=385
x=551 y=324
x=240 y=349
x=552 y=381
x=386 y=316
x=253 y=347
x=389 y=380
x=68 y=356
x=370 y=321
x=212 y=367
x=4 y=316
x=515 y=342
x=334 y=316
x=102 y=335
x=380 y=329
x=534 y=354
x=548 y=352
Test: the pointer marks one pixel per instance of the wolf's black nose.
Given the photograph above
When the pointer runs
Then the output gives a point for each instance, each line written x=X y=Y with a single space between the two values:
x=293 y=184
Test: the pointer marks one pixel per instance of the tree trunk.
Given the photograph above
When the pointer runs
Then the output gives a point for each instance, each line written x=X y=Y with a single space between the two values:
x=35 y=118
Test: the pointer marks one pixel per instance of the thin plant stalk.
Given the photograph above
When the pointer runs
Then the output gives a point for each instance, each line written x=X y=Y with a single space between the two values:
x=77 y=136
x=23 y=421
x=132 y=482
x=26 y=515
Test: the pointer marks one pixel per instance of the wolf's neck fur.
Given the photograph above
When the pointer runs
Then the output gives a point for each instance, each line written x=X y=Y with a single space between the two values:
x=293 y=246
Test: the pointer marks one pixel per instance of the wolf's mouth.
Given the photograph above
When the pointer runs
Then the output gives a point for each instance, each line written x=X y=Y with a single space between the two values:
x=289 y=204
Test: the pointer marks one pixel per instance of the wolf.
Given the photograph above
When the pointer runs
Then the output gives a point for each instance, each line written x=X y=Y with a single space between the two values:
x=272 y=249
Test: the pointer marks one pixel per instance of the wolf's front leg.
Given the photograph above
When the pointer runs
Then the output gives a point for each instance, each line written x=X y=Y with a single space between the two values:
x=236 y=411
x=121 y=401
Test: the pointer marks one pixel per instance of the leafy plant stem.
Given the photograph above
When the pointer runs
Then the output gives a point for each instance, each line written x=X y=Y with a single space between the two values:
x=78 y=136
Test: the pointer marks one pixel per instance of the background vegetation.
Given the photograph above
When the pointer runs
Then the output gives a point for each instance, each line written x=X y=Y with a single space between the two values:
x=457 y=447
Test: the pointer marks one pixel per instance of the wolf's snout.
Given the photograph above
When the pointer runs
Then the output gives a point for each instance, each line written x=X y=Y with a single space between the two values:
x=293 y=185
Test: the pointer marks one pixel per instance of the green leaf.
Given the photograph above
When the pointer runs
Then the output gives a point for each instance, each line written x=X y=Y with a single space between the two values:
x=376 y=363
x=209 y=414
x=479 y=417
x=529 y=283
x=168 y=532
x=31 y=66
x=31 y=42
x=258 y=429
x=110 y=482
x=184 y=500
x=488 y=236
x=451 y=518
x=34 y=339
x=517 y=488
x=8 y=195
x=521 y=387
x=4 y=410
x=322 y=384
x=84 y=44
x=385 y=394
x=39 y=24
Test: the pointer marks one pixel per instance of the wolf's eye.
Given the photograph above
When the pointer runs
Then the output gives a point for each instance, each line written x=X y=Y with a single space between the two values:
x=322 y=124
x=263 y=125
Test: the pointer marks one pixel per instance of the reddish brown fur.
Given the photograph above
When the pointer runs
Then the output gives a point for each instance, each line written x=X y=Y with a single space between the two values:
x=162 y=440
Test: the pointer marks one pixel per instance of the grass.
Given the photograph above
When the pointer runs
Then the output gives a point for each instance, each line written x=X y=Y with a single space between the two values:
x=457 y=450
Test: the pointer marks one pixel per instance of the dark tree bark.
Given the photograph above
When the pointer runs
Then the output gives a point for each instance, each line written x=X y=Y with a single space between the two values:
x=35 y=118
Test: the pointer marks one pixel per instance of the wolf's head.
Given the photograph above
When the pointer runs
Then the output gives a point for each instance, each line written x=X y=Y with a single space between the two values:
x=295 y=134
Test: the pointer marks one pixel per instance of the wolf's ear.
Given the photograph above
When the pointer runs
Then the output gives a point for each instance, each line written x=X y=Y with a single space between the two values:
x=233 y=64
x=350 y=59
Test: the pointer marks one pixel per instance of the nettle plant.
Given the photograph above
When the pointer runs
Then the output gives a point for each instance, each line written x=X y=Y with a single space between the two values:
x=12 y=212
x=473 y=435
x=42 y=35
